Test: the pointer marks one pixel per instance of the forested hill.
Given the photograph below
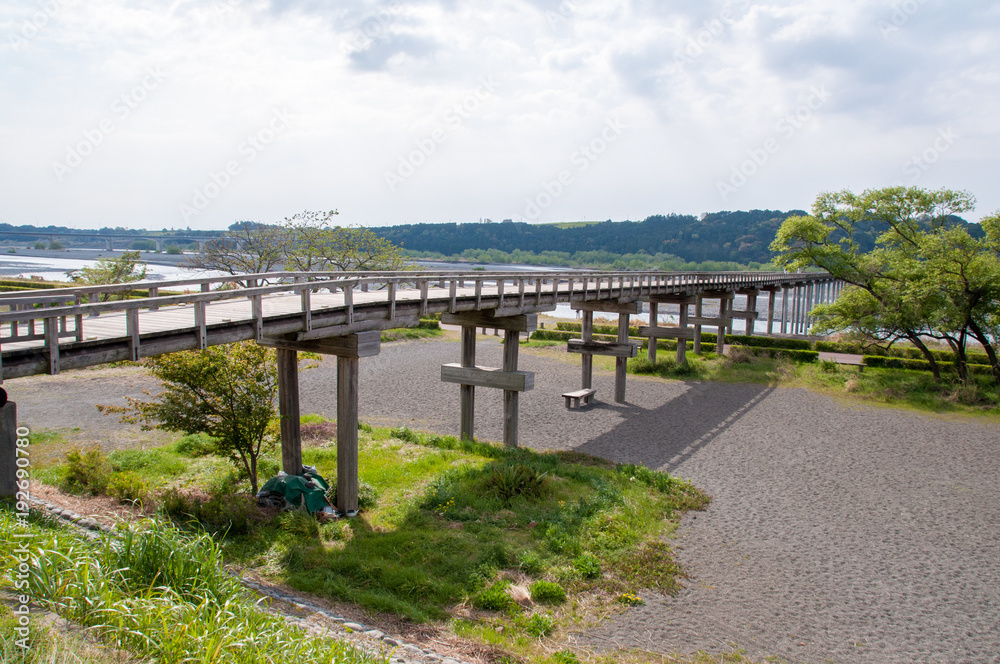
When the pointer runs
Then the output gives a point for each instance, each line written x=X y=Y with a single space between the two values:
x=741 y=237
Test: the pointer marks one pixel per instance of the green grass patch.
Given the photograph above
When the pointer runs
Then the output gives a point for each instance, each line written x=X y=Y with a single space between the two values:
x=408 y=333
x=159 y=594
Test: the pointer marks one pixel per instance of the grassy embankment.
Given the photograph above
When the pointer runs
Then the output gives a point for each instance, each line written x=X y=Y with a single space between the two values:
x=507 y=548
x=796 y=366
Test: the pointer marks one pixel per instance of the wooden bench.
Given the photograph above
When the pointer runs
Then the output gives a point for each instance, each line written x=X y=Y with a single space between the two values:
x=583 y=396
x=855 y=361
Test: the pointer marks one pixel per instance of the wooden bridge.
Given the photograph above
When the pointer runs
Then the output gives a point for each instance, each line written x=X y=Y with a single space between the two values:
x=342 y=314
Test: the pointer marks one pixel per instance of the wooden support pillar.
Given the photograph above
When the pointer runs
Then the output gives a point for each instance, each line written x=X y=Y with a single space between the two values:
x=288 y=409
x=508 y=379
x=751 y=308
x=348 y=349
x=681 y=343
x=621 y=363
x=697 y=328
x=511 y=343
x=651 y=351
x=720 y=342
x=8 y=446
x=795 y=310
x=468 y=392
x=771 y=294
x=784 y=310
x=587 y=361
x=347 y=434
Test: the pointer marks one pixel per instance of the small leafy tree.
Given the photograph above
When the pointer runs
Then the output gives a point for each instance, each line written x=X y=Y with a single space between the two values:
x=247 y=248
x=316 y=244
x=927 y=277
x=124 y=269
x=227 y=392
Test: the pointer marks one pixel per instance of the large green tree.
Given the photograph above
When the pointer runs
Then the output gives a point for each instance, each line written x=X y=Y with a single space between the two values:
x=926 y=277
x=228 y=392
x=124 y=269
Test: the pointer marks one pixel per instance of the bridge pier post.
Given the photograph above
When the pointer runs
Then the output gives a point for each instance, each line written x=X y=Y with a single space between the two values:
x=651 y=349
x=159 y=245
x=697 y=327
x=109 y=245
x=621 y=350
x=771 y=292
x=288 y=411
x=681 y=333
x=508 y=379
x=8 y=446
x=587 y=360
x=784 y=310
x=349 y=349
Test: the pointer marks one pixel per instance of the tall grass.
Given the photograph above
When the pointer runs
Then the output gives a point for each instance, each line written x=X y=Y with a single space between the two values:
x=160 y=594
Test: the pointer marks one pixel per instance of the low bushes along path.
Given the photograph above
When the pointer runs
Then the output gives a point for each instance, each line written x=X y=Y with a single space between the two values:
x=837 y=533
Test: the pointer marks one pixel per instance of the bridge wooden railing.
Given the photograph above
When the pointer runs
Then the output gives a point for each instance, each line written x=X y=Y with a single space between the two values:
x=57 y=314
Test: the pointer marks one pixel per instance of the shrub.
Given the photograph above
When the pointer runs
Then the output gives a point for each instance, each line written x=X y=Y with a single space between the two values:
x=547 y=592
x=318 y=431
x=508 y=480
x=128 y=487
x=538 y=625
x=232 y=513
x=405 y=434
x=173 y=250
x=588 y=566
x=86 y=471
x=494 y=598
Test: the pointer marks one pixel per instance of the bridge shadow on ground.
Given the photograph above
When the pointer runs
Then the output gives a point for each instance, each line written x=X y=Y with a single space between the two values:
x=666 y=436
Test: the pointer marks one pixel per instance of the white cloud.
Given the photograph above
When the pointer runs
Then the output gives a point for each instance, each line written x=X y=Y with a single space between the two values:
x=699 y=84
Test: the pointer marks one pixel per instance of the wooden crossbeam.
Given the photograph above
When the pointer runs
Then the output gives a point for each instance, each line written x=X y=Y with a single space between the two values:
x=606 y=348
x=517 y=323
x=517 y=381
x=362 y=344
x=609 y=307
x=667 y=332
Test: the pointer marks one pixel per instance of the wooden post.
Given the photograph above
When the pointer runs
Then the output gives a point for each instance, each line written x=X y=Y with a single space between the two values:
x=720 y=343
x=288 y=409
x=697 y=328
x=681 y=343
x=511 y=339
x=653 y=306
x=621 y=363
x=587 y=361
x=347 y=434
x=784 y=309
x=770 y=311
x=468 y=392
x=751 y=308
x=8 y=447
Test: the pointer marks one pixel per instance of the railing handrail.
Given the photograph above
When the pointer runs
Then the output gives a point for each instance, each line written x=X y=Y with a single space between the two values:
x=353 y=280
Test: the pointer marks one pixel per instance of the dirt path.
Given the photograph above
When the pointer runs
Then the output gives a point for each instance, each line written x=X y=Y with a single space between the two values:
x=841 y=534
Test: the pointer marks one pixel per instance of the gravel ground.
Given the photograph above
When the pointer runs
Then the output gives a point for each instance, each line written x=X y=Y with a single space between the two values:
x=837 y=533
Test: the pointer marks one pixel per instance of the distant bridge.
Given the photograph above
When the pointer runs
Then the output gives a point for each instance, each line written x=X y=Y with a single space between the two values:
x=342 y=314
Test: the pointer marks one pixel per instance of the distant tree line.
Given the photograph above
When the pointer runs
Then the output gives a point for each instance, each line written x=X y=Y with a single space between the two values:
x=737 y=237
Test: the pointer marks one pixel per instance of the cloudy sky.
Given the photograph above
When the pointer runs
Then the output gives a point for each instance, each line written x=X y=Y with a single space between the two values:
x=199 y=113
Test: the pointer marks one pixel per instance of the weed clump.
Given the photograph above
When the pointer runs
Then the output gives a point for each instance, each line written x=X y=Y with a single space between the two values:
x=87 y=471
x=495 y=597
x=128 y=487
x=507 y=481
x=547 y=592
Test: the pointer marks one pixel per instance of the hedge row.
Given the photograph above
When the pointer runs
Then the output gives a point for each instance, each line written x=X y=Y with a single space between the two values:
x=856 y=348
x=806 y=356
x=919 y=365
